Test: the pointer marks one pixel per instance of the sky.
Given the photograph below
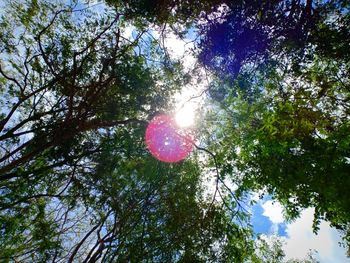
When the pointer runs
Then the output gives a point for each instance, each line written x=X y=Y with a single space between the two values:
x=298 y=238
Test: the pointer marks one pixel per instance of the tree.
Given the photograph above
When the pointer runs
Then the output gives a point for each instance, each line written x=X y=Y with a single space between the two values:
x=284 y=95
x=76 y=180
x=65 y=74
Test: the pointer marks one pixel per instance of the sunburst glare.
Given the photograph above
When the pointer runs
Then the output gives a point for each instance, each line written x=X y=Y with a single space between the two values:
x=185 y=116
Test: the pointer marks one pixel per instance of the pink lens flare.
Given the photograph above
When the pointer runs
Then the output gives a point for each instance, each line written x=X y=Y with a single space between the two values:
x=166 y=141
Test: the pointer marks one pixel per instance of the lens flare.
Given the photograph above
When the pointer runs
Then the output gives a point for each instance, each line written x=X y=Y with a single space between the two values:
x=166 y=141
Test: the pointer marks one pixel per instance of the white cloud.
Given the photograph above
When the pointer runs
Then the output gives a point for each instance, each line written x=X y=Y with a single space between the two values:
x=128 y=32
x=175 y=45
x=257 y=196
x=300 y=239
x=274 y=211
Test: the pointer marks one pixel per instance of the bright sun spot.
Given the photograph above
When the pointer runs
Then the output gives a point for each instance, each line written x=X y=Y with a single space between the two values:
x=185 y=116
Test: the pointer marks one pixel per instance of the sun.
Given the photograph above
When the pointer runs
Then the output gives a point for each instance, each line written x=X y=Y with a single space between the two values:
x=184 y=117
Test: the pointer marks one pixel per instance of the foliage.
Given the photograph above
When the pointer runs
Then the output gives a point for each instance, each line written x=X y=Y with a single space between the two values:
x=76 y=180
x=284 y=95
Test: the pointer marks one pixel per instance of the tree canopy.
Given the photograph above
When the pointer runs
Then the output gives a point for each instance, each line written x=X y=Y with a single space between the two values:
x=292 y=90
x=79 y=83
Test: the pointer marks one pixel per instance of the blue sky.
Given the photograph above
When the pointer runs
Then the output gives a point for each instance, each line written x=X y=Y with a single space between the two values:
x=263 y=225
